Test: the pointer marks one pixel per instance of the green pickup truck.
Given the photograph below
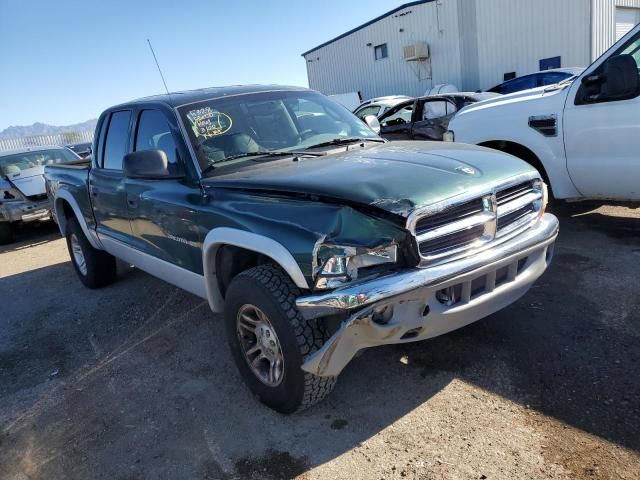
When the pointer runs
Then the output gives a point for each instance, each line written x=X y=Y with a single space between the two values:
x=315 y=237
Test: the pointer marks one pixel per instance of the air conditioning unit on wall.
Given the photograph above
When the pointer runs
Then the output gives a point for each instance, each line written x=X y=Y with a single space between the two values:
x=417 y=51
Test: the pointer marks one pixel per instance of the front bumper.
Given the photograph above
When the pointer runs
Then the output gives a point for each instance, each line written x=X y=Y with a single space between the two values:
x=408 y=306
x=25 y=211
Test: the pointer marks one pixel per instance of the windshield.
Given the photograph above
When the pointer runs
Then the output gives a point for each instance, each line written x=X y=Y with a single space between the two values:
x=231 y=129
x=16 y=163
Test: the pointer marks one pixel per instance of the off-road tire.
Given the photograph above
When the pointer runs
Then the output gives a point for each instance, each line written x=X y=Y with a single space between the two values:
x=100 y=266
x=270 y=289
x=6 y=233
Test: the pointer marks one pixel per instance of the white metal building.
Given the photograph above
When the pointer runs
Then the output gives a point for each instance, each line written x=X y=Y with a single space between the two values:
x=473 y=44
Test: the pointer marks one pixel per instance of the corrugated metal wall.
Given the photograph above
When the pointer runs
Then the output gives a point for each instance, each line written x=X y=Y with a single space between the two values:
x=473 y=44
x=348 y=65
x=514 y=35
x=469 y=59
x=604 y=23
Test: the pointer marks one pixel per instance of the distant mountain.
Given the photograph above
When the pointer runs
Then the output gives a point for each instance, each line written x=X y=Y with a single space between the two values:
x=44 y=129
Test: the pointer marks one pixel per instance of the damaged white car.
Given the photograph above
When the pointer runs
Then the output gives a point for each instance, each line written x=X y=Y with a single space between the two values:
x=23 y=197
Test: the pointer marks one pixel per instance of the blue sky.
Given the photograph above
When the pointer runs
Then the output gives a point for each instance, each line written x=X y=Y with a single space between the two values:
x=64 y=61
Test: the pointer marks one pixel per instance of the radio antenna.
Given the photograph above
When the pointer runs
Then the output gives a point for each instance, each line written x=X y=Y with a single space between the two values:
x=158 y=65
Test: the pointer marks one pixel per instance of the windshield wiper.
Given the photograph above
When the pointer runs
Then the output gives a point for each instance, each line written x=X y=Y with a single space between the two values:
x=274 y=153
x=345 y=141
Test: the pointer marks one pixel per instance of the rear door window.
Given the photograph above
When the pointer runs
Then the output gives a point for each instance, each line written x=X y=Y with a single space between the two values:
x=99 y=150
x=117 y=140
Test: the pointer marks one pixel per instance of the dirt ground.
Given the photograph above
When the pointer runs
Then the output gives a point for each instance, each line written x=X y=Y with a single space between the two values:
x=135 y=381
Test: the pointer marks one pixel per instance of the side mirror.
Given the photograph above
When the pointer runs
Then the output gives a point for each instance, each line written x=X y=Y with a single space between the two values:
x=149 y=164
x=373 y=122
x=618 y=80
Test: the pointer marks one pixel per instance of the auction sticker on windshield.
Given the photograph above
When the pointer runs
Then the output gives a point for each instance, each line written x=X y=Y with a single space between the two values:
x=208 y=123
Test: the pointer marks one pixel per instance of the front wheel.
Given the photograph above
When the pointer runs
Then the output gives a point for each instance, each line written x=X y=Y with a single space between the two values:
x=270 y=340
x=95 y=268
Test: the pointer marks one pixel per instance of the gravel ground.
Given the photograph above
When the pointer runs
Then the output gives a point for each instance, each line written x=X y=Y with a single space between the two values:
x=135 y=381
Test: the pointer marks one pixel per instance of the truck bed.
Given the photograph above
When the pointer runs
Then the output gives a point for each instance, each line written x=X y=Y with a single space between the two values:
x=73 y=178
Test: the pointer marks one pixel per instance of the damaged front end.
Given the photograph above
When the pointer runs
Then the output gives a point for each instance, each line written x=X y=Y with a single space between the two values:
x=16 y=207
x=385 y=272
x=336 y=266
x=420 y=303
x=478 y=253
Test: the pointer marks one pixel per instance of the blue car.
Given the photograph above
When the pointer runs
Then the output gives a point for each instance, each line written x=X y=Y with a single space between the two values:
x=538 y=79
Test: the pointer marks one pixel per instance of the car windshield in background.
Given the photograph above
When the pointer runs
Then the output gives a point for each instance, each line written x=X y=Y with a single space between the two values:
x=16 y=163
x=247 y=127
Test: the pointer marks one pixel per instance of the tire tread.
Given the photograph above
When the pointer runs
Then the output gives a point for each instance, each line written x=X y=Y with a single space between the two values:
x=310 y=334
x=101 y=266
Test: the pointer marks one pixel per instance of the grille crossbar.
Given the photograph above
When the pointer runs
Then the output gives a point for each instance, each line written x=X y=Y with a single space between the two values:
x=449 y=215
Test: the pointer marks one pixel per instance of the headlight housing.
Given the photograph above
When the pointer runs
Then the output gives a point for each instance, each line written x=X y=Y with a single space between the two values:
x=545 y=198
x=338 y=265
x=542 y=203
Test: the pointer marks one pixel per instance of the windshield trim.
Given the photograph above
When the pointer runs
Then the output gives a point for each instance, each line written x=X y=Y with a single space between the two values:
x=185 y=137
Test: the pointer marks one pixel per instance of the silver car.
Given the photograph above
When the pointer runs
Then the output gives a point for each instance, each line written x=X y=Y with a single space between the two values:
x=23 y=197
x=378 y=106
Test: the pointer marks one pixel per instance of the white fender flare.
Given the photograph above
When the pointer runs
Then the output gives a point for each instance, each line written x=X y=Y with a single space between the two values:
x=219 y=237
x=62 y=220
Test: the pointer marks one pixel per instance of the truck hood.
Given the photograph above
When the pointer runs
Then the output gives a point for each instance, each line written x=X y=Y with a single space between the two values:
x=518 y=98
x=29 y=182
x=397 y=177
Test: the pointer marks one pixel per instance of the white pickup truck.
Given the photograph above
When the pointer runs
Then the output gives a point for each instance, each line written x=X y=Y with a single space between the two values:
x=583 y=134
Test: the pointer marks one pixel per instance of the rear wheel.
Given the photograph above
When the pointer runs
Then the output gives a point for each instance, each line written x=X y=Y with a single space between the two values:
x=270 y=340
x=6 y=233
x=95 y=268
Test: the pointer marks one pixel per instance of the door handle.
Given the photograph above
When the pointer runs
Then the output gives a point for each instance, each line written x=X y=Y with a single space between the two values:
x=94 y=191
x=132 y=201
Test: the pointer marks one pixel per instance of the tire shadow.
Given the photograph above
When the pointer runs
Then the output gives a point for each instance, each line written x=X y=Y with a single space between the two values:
x=30 y=235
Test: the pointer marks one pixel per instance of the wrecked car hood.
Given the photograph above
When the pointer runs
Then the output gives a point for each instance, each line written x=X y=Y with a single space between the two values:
x=397 y=177
x=29 y=182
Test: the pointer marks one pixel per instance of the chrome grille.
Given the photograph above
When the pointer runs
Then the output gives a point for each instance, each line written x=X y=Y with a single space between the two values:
x=458 y=239
x=512 y=193
x=452 y=229
x=518 y=205
x=449 y=215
